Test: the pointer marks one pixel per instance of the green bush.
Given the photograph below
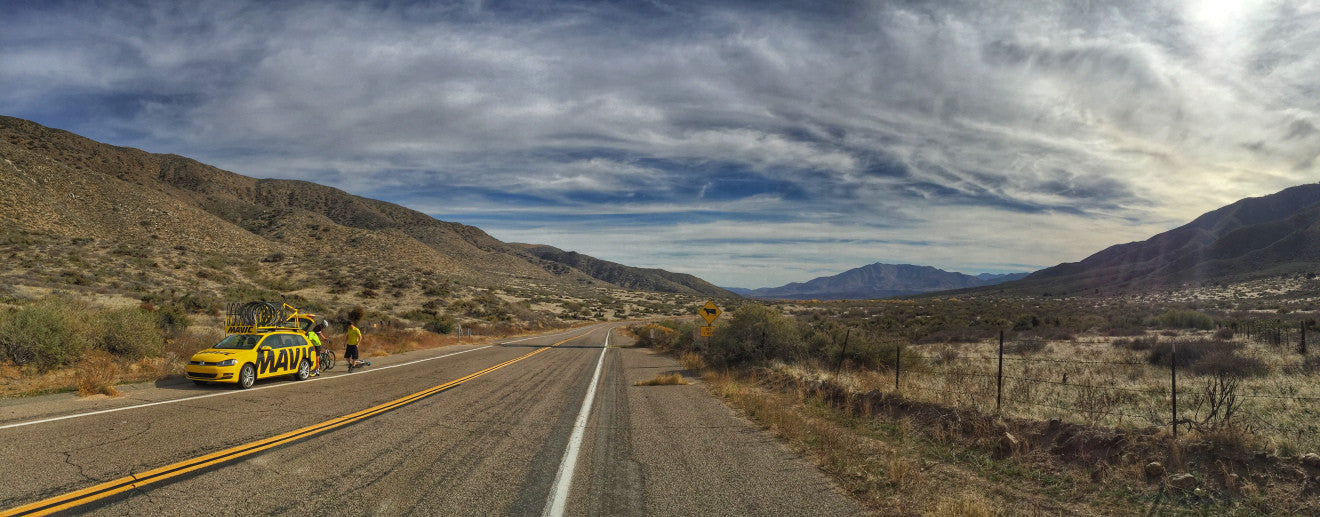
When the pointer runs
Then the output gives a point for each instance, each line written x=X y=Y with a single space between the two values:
x=172 y=319
x=756 y=334
x=869 y=352
x=1228 y=363
x=1186 y=319
x=129 y=332
x=1189 y=352
x=45 y=335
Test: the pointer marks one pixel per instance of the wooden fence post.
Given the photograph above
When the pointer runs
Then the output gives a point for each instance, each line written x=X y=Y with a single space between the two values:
x=999 y=392
x=1173 y=373
x=1301 y=347
x=843 y=353
x=898 y=365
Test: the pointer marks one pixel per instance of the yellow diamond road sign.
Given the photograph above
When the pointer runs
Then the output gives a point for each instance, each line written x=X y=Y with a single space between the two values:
x=709 y=311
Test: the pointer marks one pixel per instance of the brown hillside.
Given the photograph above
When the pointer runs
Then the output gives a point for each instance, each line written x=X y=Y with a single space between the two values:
x=87 y=215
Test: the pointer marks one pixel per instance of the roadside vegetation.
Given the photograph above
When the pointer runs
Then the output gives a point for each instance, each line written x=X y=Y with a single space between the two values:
x=901 y=399
x=59 y=343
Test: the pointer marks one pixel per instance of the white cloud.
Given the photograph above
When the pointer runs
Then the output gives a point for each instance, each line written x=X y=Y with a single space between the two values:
x=885 y=128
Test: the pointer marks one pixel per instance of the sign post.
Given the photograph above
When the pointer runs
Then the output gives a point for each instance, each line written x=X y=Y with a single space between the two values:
x=709 y=312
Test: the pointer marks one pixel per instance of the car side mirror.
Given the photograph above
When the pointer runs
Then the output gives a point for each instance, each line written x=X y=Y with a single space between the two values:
x=265 y=348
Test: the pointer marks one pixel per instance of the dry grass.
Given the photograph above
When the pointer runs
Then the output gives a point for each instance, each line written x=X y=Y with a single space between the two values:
x=99 y=372
x=1093 y=382
x=97 y=375
x=903 y=468
x=672 y=379
x=392 y=342
x=964 y=506
x=692 y=361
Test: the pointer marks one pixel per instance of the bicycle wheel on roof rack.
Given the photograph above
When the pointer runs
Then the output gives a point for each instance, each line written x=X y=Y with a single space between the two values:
x=256 y=314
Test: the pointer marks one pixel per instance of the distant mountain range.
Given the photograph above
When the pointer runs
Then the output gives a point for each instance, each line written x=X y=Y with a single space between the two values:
x=877 y=281
x=1278 y=234
x=1254 y=238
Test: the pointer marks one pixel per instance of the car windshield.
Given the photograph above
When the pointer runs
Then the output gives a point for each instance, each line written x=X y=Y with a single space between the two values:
x=238 y=342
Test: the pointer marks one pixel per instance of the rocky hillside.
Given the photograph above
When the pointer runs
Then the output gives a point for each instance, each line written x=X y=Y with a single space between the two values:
x=83 y=213
x=877 y=281
x=1254 y=238
x=640 y=279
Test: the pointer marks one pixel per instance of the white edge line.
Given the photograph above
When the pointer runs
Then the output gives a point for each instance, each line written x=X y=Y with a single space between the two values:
x=554 y=507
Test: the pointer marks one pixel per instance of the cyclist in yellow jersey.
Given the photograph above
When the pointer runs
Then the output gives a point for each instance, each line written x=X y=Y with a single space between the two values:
x=351 y=350
x=315 y=337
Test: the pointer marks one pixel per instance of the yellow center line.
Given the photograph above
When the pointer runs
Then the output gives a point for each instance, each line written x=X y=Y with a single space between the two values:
x=109 y=488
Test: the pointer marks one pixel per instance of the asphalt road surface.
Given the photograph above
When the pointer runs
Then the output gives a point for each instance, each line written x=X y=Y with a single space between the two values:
x=509 y=429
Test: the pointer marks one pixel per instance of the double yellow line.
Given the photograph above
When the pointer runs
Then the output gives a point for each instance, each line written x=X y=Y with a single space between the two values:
x=109 y=488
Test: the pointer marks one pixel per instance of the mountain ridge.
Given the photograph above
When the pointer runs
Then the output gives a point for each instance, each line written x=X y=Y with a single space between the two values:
x=877 y=280
x=1251 y=238
x=55 y=184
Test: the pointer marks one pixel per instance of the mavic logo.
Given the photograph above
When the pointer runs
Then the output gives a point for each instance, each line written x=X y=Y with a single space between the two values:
x=269 y=361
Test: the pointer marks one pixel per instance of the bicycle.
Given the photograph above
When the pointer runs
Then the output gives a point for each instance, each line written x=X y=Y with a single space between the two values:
x=326 y=360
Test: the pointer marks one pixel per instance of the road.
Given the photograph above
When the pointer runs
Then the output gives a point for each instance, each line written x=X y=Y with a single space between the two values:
x=519 y=428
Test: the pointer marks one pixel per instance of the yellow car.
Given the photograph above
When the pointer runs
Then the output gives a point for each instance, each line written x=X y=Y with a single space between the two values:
x=244 y=358
x=264 y=341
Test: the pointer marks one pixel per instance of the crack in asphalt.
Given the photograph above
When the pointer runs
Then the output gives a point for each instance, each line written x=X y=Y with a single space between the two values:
x=82 y=471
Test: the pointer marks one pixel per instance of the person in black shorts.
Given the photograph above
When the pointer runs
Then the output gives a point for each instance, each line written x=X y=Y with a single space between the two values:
x=353 y=337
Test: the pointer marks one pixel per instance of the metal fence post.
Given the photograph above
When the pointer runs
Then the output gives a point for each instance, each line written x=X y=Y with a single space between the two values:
x=999 y=393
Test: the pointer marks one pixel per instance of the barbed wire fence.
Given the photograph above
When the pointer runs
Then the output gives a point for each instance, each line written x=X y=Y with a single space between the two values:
x=1006 y=383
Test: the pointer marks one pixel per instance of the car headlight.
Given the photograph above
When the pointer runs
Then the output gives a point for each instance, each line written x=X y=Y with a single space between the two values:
x=227 y=362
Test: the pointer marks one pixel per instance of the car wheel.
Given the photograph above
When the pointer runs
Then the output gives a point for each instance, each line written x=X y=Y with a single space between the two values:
x=247 y=376
x=304 y=371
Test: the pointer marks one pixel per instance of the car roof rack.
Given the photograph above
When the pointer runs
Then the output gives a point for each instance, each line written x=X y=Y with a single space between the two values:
x=249 y=317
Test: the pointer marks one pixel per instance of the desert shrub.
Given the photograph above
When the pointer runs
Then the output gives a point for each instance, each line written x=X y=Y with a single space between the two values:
x=442 y=324
x=958 y=335
x=355 y=314
x=1186 y=319
x=190 y=341
x=755 y=334
x=1027 y=345
x=1227 y=363
x=1224 y=334
x=1310 y=364
x=1053 y=334
x=46 y=334
x=869 y=352
x=1188 y=352
x=1136 y=344
x=128 y=332
x=1118 y=331
x=652 y=335
x=172 y=319
x=666 y=335
x=692 y=361
x=97 y=374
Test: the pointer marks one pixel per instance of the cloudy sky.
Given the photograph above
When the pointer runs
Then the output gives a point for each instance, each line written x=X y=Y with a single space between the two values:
x=750 y=143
